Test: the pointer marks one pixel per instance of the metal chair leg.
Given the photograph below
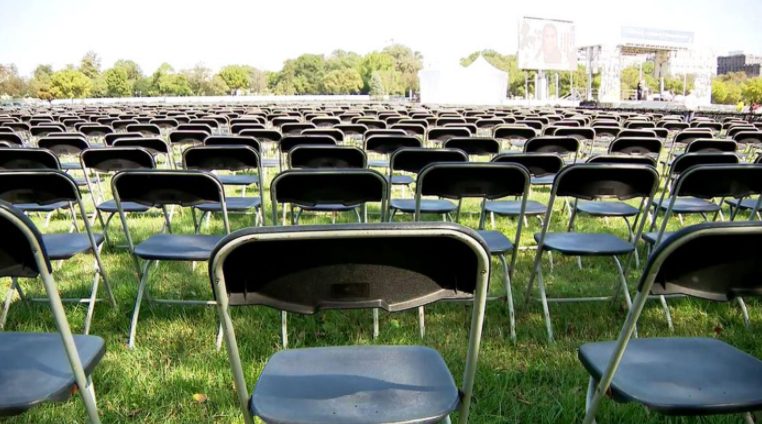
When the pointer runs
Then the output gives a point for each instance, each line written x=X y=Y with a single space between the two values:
x=284 y=329
x=375 y=323
x=509 y=298
x=545 y=307
x=421 y=322
x=744 y=311
x=665 y=307
x=138 y=299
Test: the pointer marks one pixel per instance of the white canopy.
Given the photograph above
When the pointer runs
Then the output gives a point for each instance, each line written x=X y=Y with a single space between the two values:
x=477 y=84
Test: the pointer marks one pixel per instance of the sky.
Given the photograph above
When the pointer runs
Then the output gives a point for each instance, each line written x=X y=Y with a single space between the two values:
x=263 y=34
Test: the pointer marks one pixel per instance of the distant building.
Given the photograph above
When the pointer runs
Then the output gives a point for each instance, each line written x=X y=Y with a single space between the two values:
x=740 y=62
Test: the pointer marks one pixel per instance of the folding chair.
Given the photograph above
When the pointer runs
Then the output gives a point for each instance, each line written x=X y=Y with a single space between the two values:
x=650 y=146
x=487 y=181
x=41 y=367
x=157 y=147
x=234 y=159
x=711 y=145
x=542 y=168
x=349 y=267
x=474 y=146
x=413 y=160
x=162 y=188
x=565 y=146
x=693 y=376
x=50 y=187
x=108 y=162
x=592 y=182
x=329 y=190
x=385 y=145
x=289 y=142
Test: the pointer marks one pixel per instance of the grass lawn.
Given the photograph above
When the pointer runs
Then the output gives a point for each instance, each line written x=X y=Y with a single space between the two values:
x=175 y=375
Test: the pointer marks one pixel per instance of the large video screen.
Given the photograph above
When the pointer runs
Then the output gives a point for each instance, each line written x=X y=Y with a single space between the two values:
x=546 y=44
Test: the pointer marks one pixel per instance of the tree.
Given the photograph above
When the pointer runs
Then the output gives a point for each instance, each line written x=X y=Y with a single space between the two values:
x=258 y=80
x=342 y=59
x=727 y=89
x=203 y=83
x=11 y=84
x=342 y=81
x=40 y=84
x=752 y=91
x=117 y=83
x=70 y=84
x=132 y=69
x=236 y=77
x=407 y=63
x=90 y=65
x=377 y=85
x=374 y=62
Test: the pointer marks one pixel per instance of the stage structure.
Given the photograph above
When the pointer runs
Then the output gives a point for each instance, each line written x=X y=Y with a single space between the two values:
x=673 y=53
x=546 y=45
x=477 y=84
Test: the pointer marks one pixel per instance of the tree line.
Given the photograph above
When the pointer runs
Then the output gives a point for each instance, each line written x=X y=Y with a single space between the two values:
x=391 y=71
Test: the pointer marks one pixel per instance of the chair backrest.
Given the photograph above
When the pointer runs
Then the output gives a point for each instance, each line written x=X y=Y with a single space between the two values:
x=289 y=142
x=153 y=144
x=687 y=160
x=63 y=146
x=238 y=127
x=330 y=132
x=636 y=146
x=688 y=135
x=11 y=138
x=295 y=128
x=446 y=133
x=40 y=186
x=224 y=157
x=623 y=159
x=387 y=144
x=95 y=130
x=580 y=133
x=22 y=252
x=538 y=164
x=351 y=129
x=17 y=159
x=636 y=133
x=117 y=159
x=147 y=130
x=415 y=159
x=327 y=157
x=474 y=145
x=309 y=187
x=109 y=139
x=720 y=180
x=711 y=145
x=391 y=266
x=383 y=132
x=158 y=188
x=262 y=135
x=233 y=140
x=561 y=145
x=490 y=180
x=410 y=129
x=594 y=181
x=188 y=136
x=748 y=137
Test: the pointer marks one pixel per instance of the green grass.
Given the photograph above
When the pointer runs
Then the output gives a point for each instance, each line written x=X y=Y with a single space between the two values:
x=530 y=381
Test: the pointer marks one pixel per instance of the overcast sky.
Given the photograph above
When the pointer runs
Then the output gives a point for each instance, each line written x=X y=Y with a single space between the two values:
x=265 y=33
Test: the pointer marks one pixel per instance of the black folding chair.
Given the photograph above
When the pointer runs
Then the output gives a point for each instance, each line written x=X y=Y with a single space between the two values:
x=106 y=162
x=289 y=142
x=711 y=145
x=474 y=146
x=692 y=376
x=413 y=160
x=49 y=187
x=242 y=164
x=650 y=146
x=41 y=367
x=349 y=267
x=486 y=181
x=385 y=145
x=593 y=182
x=328 y=190
x=565 y=146
x=162 y=188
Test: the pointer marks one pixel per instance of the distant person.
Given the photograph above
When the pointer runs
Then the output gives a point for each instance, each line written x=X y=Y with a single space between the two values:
x=550 y=50
x=639 y=91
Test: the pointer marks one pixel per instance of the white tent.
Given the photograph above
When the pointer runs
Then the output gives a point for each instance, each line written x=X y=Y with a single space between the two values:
x=477 y=84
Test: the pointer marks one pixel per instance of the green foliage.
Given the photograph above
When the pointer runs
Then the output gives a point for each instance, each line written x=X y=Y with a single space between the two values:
x=407 y=63
x=165 y=82
x=342 y=81
x=117 y=82
x=11 y=84
x=377 y=85
x=70 y=84
x=90 y=65
x=341 y=59
x=236 y=77
x=203 y=82
x=372 y=63
x=40 y=85
x=752 y=91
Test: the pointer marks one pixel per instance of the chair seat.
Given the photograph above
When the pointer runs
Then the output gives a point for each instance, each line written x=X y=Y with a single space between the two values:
x=238 y=180
x=401 y=179
x=355 y=384
x=497 y=242
x=681 y=376
x=34 y=368
x=427 y=205
x=172 y=247
x=65 y=245
x=270 y=163
x=690 y=205
x=585 y=244
x=71 y=165
x=513 y=207
x=34 y=207
x=378 y=163
x=328 y=207
x=650 y=237
x=606 y=208
x=544 y=180
x=109 y=206
x=748 y=203
x=235 y=204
